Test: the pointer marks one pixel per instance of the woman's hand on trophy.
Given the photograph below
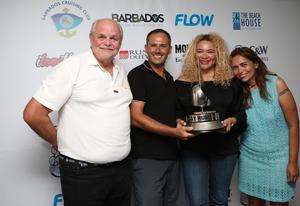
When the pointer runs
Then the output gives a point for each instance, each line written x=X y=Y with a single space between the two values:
x=228 y=123
x=182 y=131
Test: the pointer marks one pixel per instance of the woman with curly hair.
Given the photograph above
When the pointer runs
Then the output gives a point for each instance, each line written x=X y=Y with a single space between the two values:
x=268 y=164
x=209 y=158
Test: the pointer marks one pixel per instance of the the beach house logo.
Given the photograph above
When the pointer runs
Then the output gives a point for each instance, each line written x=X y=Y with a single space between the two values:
x=246 y=20
x=43 y=61
x=260 y=50
x=180 y=50
x=133 y=54
x=194 y=20
x=66 y=17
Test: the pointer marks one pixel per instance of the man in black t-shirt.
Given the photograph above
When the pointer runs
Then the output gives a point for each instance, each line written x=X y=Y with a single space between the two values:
x=154 y=133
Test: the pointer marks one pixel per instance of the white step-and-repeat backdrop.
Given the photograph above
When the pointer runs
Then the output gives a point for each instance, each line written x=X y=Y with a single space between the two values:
x=37 y=35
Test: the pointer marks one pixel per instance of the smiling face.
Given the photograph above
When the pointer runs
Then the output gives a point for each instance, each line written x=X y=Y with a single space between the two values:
x=105 y=40
x=244 y=69
x=205 y=55
x=158 y=48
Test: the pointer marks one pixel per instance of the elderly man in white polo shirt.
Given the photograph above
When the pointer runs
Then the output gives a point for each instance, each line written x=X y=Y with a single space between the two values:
x=92 y=95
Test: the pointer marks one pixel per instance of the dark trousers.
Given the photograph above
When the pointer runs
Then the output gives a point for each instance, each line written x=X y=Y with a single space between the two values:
x=101 y=185
x=158 y=183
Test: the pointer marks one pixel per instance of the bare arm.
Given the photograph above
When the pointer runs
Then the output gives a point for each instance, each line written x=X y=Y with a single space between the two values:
x=139 y=119
x=36 y=116
x=289 y=108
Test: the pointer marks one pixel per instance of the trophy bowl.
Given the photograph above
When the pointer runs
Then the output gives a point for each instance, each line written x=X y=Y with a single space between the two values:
x=204 y=121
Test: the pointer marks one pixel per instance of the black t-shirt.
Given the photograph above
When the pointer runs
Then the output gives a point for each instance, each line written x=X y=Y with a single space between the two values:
x=159 y=95
x=227 y=101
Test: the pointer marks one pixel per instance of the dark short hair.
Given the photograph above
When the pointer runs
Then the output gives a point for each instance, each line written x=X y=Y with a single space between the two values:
x=155 y=31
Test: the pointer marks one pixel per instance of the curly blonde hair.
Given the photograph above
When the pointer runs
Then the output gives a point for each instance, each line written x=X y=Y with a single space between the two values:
x=223 y=71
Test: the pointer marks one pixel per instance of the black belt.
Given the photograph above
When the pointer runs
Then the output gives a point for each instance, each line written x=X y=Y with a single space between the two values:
x=88 y=164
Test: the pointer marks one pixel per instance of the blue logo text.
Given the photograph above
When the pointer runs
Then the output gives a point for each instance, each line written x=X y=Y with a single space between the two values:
x=58 y=199
x=193 y=20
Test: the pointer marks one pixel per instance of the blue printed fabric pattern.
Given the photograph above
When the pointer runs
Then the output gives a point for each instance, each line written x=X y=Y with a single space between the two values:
x=264 y=149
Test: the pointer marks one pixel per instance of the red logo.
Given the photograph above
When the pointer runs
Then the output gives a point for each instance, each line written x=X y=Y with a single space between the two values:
x=123 y=54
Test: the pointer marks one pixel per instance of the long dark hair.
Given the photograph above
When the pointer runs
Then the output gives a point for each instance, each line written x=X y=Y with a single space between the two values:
x=260 y=74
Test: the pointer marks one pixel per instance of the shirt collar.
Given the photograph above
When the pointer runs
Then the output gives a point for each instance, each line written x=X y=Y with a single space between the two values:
x=92 y=61
x=148 y=67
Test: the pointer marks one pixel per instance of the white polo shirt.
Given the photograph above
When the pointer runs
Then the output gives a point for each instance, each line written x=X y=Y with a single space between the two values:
x=94 y=117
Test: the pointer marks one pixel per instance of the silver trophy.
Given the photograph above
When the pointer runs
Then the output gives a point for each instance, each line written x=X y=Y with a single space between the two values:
x=203 y=121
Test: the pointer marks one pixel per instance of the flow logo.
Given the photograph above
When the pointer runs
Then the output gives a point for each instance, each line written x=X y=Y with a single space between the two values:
x=194 y=20
x=58 y=200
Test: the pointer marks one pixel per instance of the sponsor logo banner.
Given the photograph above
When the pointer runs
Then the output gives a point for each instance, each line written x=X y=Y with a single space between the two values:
x=66 y=17
x=246 y=20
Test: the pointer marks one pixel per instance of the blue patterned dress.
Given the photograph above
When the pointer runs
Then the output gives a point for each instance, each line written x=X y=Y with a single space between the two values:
x=264 y=149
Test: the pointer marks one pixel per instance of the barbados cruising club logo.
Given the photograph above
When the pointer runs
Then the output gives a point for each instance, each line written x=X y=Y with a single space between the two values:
x=66 y=22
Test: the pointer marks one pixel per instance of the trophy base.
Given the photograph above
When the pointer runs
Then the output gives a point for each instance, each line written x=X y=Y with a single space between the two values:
x=203 y=127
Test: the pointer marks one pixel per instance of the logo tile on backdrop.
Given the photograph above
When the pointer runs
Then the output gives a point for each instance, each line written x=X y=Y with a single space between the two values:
x=260 y=50
x=132 y=54
x=123 y=54
x=136 y=19
x=66 y=16
x=179 y=51
x=194 y=20
x=246 y=20
x=65 y=22
x=58 y=200
x=44 y=61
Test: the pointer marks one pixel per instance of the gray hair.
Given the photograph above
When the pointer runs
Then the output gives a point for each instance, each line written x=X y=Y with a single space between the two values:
x=99 y=20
